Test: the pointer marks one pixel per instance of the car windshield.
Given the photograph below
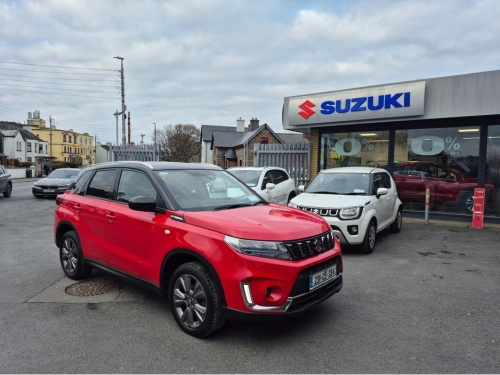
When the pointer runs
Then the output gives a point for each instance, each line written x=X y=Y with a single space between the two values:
x=249 y=177
x=58 y=173
x=340 y=183
x=205 y=190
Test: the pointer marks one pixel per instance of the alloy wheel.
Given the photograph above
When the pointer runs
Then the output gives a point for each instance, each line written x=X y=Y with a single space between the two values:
x=190 y=301
x=371 y=236
x=469 y=203
x=69 y=255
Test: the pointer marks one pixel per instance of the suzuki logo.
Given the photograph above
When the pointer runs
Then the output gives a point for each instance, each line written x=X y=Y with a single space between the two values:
x=306 y=109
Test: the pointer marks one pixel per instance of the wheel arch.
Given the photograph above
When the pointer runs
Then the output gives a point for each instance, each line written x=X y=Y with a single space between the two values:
x=63 y=227
x=180 y=256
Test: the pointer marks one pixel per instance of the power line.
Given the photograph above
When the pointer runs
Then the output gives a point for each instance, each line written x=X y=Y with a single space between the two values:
x=54 y=83
x=54 y=88
x=8 y=105
x=60 y=79
x=55 y=66
x=9 y=110
x=44 y=71
x=55 y=93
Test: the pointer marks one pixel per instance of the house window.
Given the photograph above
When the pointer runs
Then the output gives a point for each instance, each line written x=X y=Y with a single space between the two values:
x=29 y=148
x=70 y=139
x=19 y=147
x=29 y=158
x=64 y=138
x=80 y=140
x=64 y=149
x=241 y=162
x=264 y=141
x=75 y=139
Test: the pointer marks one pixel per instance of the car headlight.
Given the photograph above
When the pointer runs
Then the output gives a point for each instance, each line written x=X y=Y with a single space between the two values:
x=264 y=249
x=350 y=213
x=63 y=186
x=292 y=205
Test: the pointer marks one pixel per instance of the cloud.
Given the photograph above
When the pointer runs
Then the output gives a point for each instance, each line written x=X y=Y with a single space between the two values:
x=212 y=61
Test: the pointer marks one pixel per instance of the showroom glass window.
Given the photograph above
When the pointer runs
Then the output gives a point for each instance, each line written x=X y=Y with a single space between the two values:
x=354 y=149
x=445 y=159
x=492 y=183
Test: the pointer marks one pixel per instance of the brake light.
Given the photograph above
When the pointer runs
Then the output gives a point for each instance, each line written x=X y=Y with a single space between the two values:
x=59 y=199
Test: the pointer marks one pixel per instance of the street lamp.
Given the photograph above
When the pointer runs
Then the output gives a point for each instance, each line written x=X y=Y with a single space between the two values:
x=124 y=140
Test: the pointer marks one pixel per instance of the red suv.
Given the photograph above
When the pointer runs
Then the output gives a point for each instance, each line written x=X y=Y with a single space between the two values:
x=447 y=184
x=198 y=235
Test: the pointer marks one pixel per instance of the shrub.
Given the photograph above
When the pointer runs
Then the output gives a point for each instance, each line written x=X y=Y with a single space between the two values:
x=25 y=164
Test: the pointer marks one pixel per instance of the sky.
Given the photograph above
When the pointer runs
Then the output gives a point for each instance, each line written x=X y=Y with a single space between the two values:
x=214 y=61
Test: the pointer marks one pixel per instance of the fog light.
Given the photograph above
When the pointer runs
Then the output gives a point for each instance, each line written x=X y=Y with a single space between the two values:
x=248 y=294
x=352 y=229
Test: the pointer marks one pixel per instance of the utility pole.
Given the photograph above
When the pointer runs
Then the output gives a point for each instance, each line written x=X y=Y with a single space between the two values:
x=128 y=129
x=154 y=146
x=116 y=114
x=124 y=107
x=50 y=132
x=142 y=140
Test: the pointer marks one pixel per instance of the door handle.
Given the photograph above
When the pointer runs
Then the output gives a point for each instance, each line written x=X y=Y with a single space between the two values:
x=110 y=216
x=78 y=208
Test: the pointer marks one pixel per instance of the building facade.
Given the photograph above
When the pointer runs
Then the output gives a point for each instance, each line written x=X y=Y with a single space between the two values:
x=64 y=145
x=442 y=133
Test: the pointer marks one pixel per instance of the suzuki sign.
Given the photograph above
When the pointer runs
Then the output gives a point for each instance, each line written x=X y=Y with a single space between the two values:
x=372 y=103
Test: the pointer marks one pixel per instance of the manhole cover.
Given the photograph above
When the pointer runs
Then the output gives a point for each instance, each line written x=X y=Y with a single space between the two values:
x=94 y=287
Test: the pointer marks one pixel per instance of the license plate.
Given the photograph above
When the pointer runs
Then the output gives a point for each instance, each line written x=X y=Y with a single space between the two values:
x=49 y=191
x=322 y=277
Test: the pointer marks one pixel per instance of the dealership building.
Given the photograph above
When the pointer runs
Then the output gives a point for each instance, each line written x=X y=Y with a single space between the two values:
x=439 y=132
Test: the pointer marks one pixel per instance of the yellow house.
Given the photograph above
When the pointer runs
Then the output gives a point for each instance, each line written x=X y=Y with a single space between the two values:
x=64 y=145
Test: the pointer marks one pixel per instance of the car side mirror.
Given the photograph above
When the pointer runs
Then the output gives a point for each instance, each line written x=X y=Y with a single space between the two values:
x=382 y=191
x=71 y=186
x=301 y=188
x=270 y=186
x=450 y=179
x=142 y=203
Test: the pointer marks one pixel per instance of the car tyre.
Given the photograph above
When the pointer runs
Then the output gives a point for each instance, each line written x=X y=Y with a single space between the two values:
x=398 y=222
x=291 y=196
x=468 y=202
x=195 y=301
x=71 y=256
x=368 y=244
x=8 y=192
x=38 y=196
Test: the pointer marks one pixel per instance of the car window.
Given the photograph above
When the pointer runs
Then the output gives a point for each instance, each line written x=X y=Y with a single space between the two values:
x=79 y=187
x=249 y=177
x=268 y=178
x=280 y=176
x=340 y=183
x=133 y=184
x=2 y=171
x=102 y=184
x=378 y=182
x=58 y=173
x=386 y=180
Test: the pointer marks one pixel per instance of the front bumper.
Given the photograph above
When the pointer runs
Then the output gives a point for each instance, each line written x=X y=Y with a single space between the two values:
x=49 y=191
x=343 y=229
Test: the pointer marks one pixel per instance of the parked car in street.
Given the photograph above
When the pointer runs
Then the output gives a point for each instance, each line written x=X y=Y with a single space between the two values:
x=357 y=202
x=195 y=233
x=272 y=183
x=447 y=185
x=5 y=182
x=55 y=183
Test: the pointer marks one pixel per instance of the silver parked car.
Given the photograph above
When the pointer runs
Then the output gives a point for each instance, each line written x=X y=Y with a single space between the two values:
x=5 y=182
x=56 y=182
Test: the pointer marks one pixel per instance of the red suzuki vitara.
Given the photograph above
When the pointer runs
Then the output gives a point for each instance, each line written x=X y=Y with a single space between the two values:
x=195 y=233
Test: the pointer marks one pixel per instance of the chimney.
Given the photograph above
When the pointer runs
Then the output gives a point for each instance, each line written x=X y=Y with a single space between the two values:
x=240 y=125
x=254 y=124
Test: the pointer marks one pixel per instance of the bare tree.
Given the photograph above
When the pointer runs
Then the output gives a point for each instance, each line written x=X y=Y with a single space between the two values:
x=179 y=142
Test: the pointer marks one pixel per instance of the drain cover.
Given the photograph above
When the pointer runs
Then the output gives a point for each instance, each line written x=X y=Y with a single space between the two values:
x=93 y=287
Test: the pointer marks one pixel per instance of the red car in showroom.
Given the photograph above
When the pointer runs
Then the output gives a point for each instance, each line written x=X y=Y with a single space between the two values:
x=198 y=235
x=447 y=184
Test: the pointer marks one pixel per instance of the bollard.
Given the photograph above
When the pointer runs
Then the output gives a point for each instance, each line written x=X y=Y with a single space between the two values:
x=427 y=199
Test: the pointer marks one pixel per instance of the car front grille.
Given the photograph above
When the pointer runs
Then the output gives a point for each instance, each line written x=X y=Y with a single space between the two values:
x=47 y=186
x=309 y=247
x=320 y=211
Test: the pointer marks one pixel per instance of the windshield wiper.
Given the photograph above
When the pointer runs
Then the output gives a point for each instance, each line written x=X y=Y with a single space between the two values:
x=229 y=206
x=323 y=192
x=354 y=194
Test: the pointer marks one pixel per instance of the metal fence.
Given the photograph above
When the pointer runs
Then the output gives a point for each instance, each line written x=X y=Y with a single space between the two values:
x=135 y=152
x=294 y=158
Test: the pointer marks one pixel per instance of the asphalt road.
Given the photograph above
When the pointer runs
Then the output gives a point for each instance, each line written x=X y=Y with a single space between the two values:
x=426 y=301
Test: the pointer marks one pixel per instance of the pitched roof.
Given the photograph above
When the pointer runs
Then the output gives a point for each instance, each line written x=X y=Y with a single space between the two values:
x=10 y=125
x=246 y=137
x=290 y=138
x=225 y=138
x=29 y=135
x=9 y=132
x=207 y=130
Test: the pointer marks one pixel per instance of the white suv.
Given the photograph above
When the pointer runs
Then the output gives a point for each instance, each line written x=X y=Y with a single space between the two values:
x=357 y=202
x=273 y=184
